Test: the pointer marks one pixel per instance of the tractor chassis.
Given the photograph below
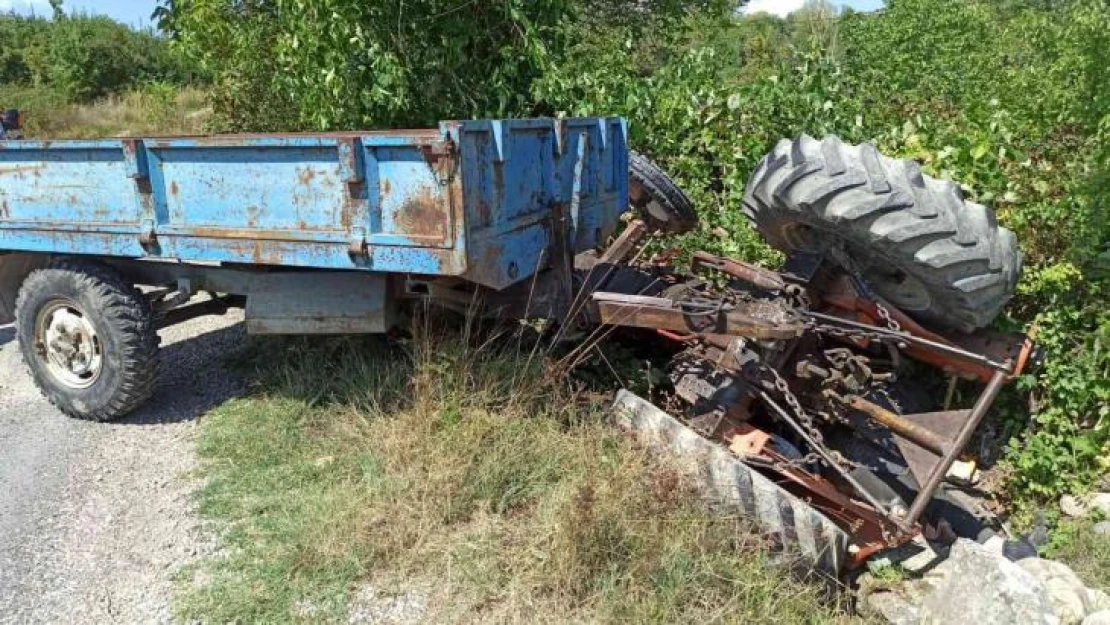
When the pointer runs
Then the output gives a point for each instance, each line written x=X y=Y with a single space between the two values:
x=765 y=363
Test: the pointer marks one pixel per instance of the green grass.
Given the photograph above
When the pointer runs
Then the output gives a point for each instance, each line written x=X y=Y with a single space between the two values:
x=428 y=464
x=1086 y=553
x=152 y=110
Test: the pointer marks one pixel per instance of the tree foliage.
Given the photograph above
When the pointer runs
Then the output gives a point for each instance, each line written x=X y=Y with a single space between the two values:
x=84 y=57
x=331 y=63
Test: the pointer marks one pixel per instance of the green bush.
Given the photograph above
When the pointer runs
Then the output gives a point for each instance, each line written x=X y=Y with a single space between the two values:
x=84 y=58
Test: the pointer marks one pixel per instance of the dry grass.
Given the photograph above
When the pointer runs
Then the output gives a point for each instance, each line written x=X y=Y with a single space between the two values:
x=153 y=110
x=432 y=465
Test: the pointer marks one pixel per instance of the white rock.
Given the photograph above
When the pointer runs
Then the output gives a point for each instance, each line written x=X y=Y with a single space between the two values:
x=1101 y=501
x=1097 y=600
x=1082 y=506
x=1073 y=506
x=995 y=544
x=894 y=608
x=977 y=586
x=1065 y=590
x=1098 y=618
x=963 y=472
x=1102 y=528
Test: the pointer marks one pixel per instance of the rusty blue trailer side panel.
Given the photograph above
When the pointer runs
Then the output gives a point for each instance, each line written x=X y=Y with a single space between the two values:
x=472 y=198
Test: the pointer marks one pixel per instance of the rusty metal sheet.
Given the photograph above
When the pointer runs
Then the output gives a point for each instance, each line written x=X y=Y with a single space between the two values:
x=318 y=303
x=758 y=320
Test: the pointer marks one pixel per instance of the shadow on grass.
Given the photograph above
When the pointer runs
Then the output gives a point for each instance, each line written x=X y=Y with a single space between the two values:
x=361 y=372
x=369 y=462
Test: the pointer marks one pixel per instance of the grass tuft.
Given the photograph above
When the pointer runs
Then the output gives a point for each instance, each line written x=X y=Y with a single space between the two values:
x=435 y=467
x=152 y=110
x=1076 y=544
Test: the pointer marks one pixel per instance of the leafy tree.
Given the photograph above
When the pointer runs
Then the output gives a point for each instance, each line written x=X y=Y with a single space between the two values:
x=83 y=57
x=332 y=63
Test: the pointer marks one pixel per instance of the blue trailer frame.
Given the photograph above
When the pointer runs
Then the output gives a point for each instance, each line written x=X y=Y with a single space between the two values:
x=311 y=233
x=472 y=199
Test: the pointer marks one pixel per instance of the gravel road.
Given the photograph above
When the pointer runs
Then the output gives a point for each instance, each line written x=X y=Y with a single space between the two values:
x=96 y=519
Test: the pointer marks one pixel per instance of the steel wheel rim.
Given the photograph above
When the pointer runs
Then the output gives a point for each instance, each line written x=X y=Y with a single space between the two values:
x=66 y=342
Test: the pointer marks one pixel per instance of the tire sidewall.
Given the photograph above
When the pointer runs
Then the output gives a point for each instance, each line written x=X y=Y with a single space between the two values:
x=53 y=284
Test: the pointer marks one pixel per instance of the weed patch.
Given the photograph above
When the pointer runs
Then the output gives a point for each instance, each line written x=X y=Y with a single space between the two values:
x=1087 y=553
x=430 y=467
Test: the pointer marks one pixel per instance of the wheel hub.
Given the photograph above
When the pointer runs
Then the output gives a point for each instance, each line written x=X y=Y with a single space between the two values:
x=68 y=344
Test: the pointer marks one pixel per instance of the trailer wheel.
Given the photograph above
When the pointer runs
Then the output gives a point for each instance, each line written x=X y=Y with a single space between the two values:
x=911 y=238
x=661 y=203
x=88 y=338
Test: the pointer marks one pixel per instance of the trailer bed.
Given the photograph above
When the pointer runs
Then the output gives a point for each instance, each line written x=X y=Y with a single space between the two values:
x=472 y=199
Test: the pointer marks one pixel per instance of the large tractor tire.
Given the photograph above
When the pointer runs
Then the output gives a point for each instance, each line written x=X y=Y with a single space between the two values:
x=660 y=202
x=88 y=338
x=912 y=239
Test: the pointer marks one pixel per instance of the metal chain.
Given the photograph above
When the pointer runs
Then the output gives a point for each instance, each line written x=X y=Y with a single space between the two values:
x=884 y=314
x=795 y=406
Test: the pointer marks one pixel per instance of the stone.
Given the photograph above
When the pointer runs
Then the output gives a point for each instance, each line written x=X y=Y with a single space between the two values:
x=1101 y=617
x=1073 y=506
x=963 y=472
x=1101 y=502
x=977 y=586
x=1066 y=591
x=1082 y=506
x=995 y=544
x=1102 y=528
x=1018 y=550
x=1097 y=600
x=893 y=607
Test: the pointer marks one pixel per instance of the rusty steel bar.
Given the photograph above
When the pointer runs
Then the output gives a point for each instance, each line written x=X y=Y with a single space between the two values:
x=909 y=338
x=900 y=425
x=982 y=405
x=625 y=244
x=762 y=278
x=749 y=319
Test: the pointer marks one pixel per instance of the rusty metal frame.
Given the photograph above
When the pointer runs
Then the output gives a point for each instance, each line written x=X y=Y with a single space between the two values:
x=835 y=302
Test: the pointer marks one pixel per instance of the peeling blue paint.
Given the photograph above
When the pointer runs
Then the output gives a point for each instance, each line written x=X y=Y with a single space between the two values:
x=471 y=198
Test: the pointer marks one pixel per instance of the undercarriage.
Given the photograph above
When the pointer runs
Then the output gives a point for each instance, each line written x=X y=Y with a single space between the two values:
x=811 y=379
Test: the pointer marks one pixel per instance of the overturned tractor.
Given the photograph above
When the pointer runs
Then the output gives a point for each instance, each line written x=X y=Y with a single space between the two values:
x=809 y=376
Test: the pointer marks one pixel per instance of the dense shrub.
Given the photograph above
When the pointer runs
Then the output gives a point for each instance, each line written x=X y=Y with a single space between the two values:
x=83 y=57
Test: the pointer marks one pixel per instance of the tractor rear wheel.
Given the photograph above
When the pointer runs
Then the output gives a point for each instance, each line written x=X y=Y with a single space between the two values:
x=913 y=239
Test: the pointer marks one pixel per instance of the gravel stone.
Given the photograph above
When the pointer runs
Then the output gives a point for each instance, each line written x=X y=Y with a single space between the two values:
x=369 y=604
x=96 y=519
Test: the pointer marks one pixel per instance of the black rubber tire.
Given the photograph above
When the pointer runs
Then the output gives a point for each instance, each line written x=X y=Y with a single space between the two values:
x=124 y=324
x=660 y=202
x=943 y=260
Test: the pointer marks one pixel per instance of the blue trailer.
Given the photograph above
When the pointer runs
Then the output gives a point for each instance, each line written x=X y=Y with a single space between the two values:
x=313 y=233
